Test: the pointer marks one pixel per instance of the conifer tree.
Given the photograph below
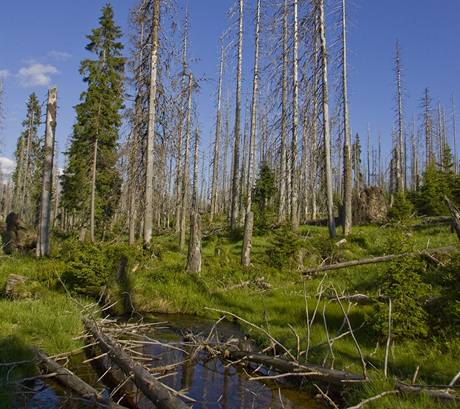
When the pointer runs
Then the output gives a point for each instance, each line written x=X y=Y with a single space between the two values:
x=91 y=187
x=27 y=174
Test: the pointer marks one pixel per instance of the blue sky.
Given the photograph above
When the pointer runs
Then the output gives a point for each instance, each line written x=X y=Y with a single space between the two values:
x=42 y=43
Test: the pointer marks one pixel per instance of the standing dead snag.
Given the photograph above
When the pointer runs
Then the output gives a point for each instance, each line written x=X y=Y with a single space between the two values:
x=43 y=245
x=194 y=245
x=235 y=190
x=326 y=124
x=249 y=218
x=148 y=211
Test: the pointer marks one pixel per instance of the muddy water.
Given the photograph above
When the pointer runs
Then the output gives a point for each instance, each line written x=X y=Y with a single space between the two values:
x=209 y=382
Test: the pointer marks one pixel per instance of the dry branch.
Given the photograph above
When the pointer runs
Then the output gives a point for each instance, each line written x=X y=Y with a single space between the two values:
x=154 y=390
x=381 y=259
x=73 y=382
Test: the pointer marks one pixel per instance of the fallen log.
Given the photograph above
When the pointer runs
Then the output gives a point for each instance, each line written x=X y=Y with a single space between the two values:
x=153 y=389
x=315 y=372
x=380 y=259
x=432 y=393
x=114 y=378
x=70 y=381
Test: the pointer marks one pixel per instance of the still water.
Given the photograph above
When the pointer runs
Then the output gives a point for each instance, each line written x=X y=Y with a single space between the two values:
x=212 y=383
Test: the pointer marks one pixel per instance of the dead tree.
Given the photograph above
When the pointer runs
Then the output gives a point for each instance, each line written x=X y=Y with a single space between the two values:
x=43 y=244
x=194 y=246
x=400 y=162
x=216 y=157
x=326 y=130
x=185 y=177
x=236 y=146
x=347 y=166
x=295 y=121
x=149 y=165
x=249 y=217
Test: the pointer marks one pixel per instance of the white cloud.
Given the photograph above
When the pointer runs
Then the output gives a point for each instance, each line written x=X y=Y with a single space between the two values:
x=4 y=74
x=59 y=55
x=7 y=165
x=36 y=75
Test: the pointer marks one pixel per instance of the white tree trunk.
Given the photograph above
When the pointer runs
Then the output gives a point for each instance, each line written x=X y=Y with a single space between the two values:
x=43 y=244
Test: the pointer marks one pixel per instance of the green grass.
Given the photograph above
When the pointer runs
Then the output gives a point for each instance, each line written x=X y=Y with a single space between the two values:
x=159 y=284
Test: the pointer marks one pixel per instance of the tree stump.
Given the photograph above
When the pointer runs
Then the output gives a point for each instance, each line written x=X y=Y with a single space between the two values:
x=12 y=283
x=370 y=206
x=194 y=246
x=247 y=240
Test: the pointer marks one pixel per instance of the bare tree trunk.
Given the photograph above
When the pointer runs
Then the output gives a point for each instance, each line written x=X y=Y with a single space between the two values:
x=295 y=123
x=148 y=211
x=347 y=167
x=283 y=158
x=184 y=189
x=249 y=218
x=216 y=158
x=454 y=136
x=415 y=166
x=400 y=165
x=178 y=186
x=327 y=142
x=43 y=245
x=236 y=146
x=194 y=246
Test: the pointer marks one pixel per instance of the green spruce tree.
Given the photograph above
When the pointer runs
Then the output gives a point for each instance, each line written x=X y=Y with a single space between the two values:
x=27 y=175
x=91 y=183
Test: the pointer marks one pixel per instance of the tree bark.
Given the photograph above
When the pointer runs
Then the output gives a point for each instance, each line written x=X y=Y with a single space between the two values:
x=326 y=131
x=148 y=211
x=236 y=146
x=194 y=246
x=43 y=245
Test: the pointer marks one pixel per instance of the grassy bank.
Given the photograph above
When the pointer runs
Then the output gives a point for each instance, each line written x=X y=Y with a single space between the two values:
x=269 y=294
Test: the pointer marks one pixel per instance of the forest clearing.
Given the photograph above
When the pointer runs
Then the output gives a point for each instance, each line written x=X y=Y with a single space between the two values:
x=227 y=241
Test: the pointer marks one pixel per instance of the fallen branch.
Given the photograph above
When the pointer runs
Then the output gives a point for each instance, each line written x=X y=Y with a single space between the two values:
x=73 y=382
x=381 y=259
x=380 y=395
x=315 y=372
x=153 y=389
x=432 y=393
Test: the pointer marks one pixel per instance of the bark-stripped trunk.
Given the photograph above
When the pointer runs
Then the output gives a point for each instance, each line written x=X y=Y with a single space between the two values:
x=148 y=211
x=347 y=167
x=178 y=185
x=43 y=244
x=325 y=103
x=236 y=146
x=194 y=246
x=400 y=163
x=216 y=158
x=184 y=188
x=249 y=217
x=295 y=123
x=454 y=136
x=428 y=127
x=284 y=91
x=415 y=166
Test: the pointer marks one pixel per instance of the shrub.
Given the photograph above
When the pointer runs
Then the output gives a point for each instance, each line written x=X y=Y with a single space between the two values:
x=402 y=209
x=285 y=249
x=403 y=284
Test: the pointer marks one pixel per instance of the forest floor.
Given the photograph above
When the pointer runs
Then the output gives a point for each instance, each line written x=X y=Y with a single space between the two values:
x=269 y=294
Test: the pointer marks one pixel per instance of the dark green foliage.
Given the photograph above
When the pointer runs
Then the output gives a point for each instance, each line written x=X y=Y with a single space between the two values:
x=403 y=284
x=264 y=192
x=402 y=209
x=284 y=251
x=445 y=313
x=438 y=182
x=98 y=118
x=90 y=267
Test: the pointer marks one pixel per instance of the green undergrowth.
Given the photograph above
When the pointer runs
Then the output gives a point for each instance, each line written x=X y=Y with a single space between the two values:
x=271 y=293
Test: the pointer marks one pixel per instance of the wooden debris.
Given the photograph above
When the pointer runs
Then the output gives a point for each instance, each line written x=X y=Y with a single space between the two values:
x=153 y=389
x=69 y=380
x=375 y=260
x=12 y=282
